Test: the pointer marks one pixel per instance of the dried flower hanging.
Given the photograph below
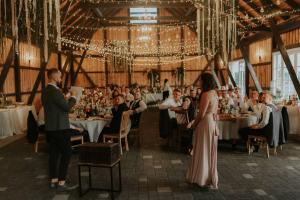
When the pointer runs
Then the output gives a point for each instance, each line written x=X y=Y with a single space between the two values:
x=50 y=12
x=58 y=25
x=28 y=23
x=216 y=25
x=45 y=31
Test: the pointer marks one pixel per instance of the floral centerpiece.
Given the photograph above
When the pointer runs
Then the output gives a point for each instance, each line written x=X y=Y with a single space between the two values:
x=92 y=103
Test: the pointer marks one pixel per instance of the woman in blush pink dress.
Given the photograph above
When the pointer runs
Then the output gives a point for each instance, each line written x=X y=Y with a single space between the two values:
x=203 y=167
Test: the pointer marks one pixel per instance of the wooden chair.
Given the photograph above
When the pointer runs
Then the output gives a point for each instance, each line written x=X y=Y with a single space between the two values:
x=42 y=139
x=123 y=133
x=182 y=119
x=262 y=140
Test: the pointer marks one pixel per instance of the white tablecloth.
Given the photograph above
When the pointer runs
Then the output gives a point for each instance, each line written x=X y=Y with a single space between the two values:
x=230 y=129
x=152 y=97
x=294 y=119
x=94 y=127
x=13 y=120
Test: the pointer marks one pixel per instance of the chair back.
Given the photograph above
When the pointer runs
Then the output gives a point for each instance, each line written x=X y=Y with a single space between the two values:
x=125 y=123
x=182 y=118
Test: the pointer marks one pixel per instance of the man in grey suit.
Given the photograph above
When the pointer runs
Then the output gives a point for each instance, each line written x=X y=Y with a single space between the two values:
x=56 y=108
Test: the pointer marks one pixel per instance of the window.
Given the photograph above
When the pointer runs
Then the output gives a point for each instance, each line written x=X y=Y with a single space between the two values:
x=282 y=86
x=237 y=69
x=145 y=15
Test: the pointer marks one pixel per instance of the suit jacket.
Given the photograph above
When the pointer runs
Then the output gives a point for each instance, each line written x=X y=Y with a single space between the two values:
x=275 y=129
x=56 y=109
x=286 y=122
x=117 y=117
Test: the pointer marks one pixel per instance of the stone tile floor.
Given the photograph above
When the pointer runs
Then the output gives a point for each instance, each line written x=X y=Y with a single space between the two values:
x=152 y=171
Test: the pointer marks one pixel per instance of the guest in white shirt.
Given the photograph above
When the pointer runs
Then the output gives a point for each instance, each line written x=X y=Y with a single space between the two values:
x=226 y=99
x=172 y=103
x=239 y=98
x=252 y=104
x=128 y=94
x=136 y=108
x=258 y=129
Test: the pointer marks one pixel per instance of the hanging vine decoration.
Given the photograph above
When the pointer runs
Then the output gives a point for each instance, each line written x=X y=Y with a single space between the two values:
x=219 y=30
x=153 y=76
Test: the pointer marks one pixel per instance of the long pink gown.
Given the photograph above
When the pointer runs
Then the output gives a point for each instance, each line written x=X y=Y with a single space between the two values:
x=203 y=168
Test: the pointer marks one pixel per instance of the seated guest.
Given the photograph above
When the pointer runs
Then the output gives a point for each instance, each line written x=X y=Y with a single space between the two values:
x=137 y=107
x=115 y=93
x=239 y=98
x=233 y=96
x=252 y=104
x=172 y=103
x=128 y=96
x=258 y=129
x=226 y=99
x=118 y=108
x=186 y=113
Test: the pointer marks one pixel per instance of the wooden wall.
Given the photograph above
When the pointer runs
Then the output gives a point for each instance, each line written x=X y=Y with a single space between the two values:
x=169 y=37
x=261 y=59
x=30 y=62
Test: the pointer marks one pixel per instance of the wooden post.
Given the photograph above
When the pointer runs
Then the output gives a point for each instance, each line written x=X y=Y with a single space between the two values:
x=5 y=68
x=182 y=50
x=72 y=72
x=37 y=82
x=231 y=77
x=285 y=57
x=79 y=67
x=105 y=58
x=158 y=48
x=87 y=76
x=245 y=53
x=17 y=74
x=59 y=61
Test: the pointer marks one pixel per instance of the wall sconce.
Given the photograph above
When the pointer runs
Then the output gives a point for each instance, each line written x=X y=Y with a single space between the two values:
x=260 y=54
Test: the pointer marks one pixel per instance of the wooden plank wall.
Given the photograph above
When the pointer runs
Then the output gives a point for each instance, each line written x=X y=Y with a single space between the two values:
x=260 y=57
x=169 y=37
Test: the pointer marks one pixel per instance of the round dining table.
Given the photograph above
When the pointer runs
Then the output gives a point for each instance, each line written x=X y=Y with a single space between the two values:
x=94 y=126
x=229 y=128
x=13 y=120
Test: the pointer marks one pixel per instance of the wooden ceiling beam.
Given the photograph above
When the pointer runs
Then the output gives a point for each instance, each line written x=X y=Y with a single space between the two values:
x=283 y=5
x=190 y=11
x=76 y=22
x=138 y=4
x=245 y=19
x=284 y=27
x=64 y=4
x=252 y=11
x=74 y=15
x=267 y=4
x=70 y=9
x=164 y=18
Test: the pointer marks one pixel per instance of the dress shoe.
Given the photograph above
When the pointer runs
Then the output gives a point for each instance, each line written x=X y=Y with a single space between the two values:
x=66 y=187
x=52 y=185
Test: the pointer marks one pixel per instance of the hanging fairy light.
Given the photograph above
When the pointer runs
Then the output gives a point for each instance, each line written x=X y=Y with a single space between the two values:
x=216 y=25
